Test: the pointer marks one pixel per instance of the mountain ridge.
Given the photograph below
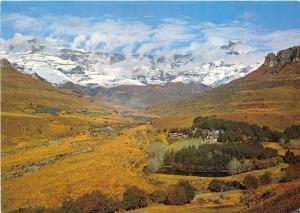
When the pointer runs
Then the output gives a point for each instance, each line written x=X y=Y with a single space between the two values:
x=61 y=65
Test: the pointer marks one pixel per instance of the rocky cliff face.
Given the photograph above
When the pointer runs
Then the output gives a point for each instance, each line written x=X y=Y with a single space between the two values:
x=283 y=57
x=4 y=62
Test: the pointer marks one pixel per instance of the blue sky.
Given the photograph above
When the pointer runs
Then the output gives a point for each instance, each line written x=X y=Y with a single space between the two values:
x=162 y=27
x=269 y=15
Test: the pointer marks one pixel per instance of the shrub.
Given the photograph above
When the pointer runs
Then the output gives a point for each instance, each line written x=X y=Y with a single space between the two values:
x=189 y=189
x=181 y=193
x=234 y=166
x=247 y=165
x=97 y=202
x=216 y=185
x=158 y=196
x=291 y=173
x=221 y=196
x=217 y=201
x=265 y=179
x=232 y=185
x=251 y=182
x=69 y=206
x=247 y=198
x=176 y=196
x=289 y=157
x=267 y=194
x=156 y=151
x=134 y=198
x=34 y=210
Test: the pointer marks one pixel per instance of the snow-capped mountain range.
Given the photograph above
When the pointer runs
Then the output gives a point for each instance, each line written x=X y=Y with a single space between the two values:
x=60 y=65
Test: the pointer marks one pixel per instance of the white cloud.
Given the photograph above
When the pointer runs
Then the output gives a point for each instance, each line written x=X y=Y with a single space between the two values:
x=23 y=22
x=168 y=37
x=24 y=43
x=78 y=40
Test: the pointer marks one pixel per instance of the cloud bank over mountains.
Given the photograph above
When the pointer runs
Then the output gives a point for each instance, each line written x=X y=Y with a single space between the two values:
x=137 y=37
x=209 y=53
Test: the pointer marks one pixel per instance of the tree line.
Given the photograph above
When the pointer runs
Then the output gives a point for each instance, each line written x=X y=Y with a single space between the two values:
x=291 y=132
x=218 y=158
x=237 y=131
x=233 y=131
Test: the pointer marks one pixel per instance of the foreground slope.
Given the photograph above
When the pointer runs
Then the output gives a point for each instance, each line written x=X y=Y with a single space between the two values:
x=268 y=96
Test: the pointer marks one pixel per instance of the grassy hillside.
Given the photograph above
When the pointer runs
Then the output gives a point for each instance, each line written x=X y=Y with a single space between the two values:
x=33 y=111
x=268 y=96
x=22 y=93
x=110 y=165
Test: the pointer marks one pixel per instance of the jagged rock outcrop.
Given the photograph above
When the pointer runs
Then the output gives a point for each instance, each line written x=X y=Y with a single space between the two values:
x=271 y=60
x=283 y=57
x=4 y=62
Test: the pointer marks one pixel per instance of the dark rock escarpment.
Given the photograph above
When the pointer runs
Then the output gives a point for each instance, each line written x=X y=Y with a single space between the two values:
x=283 y=57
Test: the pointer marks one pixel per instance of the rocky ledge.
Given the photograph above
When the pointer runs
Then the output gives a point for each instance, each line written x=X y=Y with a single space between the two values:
x=283 y=57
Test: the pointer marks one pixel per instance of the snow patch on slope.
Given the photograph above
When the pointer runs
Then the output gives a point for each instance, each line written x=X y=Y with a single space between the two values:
x=50 y=75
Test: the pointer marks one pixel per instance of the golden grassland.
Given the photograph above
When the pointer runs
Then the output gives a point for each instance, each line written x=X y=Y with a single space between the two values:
x=111 y=167
x=189 y=208
x=23 y=131
x=281 y=150
x=169 y=122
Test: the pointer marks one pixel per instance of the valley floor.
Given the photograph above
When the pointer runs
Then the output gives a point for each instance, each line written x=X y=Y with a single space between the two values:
x=70 y=167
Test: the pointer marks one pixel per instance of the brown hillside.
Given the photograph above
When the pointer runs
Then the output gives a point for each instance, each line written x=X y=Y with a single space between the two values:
x=19 y=90
x=33 y=111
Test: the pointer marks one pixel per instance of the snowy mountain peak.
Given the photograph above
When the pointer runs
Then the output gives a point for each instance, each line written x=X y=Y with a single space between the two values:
x=60 y=65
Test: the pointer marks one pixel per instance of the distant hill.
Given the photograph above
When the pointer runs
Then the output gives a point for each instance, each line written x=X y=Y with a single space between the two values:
x=269 y=96
x=139 y=97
